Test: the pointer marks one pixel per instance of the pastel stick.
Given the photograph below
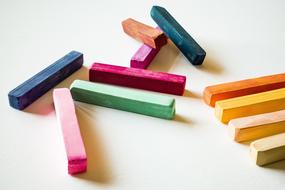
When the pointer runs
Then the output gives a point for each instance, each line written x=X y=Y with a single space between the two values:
x=66 y=116
x=153 y=37
x=126 y=99
x=253 y=104
x=33 y=88
x=143 y=57
x=178 y=35
x=137 y=78
x=268 y=150
x=243 y=87
x=257 y=126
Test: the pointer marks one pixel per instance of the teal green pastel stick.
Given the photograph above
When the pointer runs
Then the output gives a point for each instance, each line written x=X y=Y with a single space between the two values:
x=127 y=99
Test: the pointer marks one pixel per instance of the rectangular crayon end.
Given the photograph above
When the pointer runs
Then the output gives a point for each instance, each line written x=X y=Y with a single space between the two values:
x=219 y=112
x=207 y=97
x=66 y=116
x=77 y=165
x=14 y=101
x=233 y=131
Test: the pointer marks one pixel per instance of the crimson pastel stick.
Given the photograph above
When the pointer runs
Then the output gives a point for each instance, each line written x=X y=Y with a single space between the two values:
x=65 y=112
x=137 y=78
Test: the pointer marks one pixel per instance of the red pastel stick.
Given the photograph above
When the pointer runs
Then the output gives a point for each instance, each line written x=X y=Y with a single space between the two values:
x=137 y=78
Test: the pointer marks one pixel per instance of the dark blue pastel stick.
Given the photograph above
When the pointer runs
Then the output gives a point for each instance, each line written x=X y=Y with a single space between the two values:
x=33 y=88
x=173 y=30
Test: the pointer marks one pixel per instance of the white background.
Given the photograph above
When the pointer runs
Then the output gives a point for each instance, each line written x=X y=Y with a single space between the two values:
x=243 y=39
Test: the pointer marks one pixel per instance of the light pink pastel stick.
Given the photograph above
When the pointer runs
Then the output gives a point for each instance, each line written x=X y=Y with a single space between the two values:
x=144 y=56
x=66 y=116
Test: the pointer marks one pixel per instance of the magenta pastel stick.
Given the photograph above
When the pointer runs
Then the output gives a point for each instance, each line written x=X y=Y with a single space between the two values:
x=66 y=116
x=144 y=56
x=137 y=78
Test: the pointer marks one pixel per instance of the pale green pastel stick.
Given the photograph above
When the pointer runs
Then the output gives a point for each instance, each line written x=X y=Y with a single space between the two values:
x=122 y=98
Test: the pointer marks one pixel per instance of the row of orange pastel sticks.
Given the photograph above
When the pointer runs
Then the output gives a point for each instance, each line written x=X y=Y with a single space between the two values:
x=255 y=110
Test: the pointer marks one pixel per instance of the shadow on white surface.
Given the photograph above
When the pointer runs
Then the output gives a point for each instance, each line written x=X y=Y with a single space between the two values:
x=165 y=58
x=44 y=105
x=98 y=169
x=277 y=166
x=191 y=94
x=210 y=65
x=182 y=119
x=245 y=143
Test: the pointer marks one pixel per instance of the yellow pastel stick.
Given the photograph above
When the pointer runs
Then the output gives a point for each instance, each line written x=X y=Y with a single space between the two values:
x=257 y=126
x=268 y=150
x=243 y=106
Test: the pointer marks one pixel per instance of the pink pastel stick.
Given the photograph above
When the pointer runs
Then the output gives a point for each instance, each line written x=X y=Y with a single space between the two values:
x=137 y=78
x=144 y=56
x=66 y=116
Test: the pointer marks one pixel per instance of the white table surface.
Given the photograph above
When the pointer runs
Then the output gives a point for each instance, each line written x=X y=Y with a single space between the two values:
x=243 y=39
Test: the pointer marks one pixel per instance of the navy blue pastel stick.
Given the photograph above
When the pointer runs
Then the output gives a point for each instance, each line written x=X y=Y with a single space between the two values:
x=33 y=88
x=178 y=35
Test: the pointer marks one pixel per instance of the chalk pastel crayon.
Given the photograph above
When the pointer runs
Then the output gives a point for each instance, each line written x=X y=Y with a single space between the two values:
x=137 y=78
x=257 y=126
x=243 y=87
x=153 y=37
x=253 y=104
x=268 y=150
x=66 y=116
x=29 y=91
x=178 y=35
x=121 y=98
x=143 y=57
